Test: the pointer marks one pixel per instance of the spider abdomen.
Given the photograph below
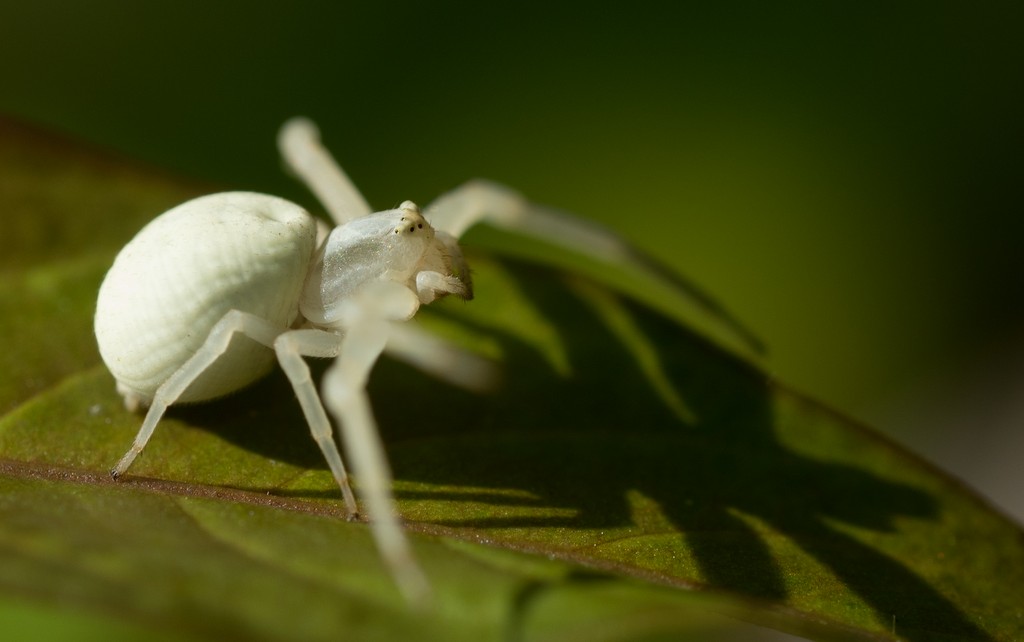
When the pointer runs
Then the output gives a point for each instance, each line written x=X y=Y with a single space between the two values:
x=186 y=270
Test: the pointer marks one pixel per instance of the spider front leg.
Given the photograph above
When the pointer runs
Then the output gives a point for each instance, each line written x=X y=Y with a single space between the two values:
x=481 y=201
x=299 y=143
x=344 y=392
x=216 y=344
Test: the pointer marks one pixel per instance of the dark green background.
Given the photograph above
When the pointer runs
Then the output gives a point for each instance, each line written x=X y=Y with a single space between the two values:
x=845 y=176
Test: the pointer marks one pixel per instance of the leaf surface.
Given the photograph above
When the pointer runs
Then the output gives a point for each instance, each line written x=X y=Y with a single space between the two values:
x=627 y=479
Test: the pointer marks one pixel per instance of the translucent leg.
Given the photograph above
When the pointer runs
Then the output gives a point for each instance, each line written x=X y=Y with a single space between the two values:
x=344 y=392
x=484 y=201
x=299 y=144
x=441 y=359
x=290 y=348
x=216 y=343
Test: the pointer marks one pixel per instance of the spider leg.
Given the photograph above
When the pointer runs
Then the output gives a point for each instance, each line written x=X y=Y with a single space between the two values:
x=299 y=144
x=291 y=347
x=215 y=345
x=484 y=201
x=344 y=393
x=441 y=359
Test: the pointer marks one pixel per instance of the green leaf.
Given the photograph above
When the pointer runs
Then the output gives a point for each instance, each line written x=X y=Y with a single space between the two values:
x=628 y=480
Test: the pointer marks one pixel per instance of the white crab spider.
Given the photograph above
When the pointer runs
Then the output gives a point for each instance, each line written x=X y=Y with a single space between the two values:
x=192 y=303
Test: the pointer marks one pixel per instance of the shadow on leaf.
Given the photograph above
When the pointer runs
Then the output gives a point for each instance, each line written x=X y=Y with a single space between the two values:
x=655 y=448
x=584 y=444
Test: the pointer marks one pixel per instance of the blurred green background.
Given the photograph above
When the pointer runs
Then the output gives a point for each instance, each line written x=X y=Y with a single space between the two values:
x=845 y=177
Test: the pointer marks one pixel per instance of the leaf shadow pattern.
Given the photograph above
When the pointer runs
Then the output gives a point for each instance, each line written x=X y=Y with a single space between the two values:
x=585 y=442
x=578 y=447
